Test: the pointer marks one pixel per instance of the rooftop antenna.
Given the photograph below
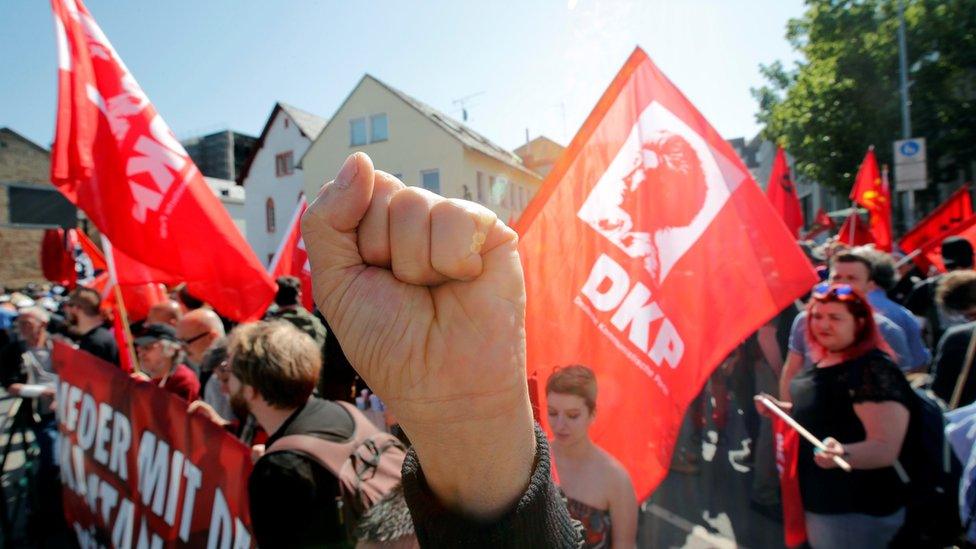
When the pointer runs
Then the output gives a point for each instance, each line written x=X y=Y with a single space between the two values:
x=463 y=104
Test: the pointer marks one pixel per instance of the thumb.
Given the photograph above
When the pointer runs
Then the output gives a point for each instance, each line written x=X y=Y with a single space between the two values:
x=330 y=224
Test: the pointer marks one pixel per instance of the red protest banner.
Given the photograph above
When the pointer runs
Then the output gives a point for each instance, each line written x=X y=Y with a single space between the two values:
x=652 y=253
x=116 y=159
x=137 y=470
x=291 y=257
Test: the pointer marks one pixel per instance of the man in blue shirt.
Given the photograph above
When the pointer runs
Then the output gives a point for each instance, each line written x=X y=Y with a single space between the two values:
x=882 y=278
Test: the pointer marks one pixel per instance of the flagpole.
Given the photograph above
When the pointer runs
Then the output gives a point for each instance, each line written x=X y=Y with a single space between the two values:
x=800 y=429
x=120 y=303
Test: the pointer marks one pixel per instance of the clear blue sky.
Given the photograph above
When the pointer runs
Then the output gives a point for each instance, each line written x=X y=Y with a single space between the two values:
x=541 y=65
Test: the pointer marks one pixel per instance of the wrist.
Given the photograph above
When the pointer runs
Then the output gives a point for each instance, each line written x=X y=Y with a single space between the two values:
x=478 y=467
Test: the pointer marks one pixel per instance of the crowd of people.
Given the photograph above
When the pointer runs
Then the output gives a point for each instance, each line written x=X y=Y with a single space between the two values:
x=846 y=362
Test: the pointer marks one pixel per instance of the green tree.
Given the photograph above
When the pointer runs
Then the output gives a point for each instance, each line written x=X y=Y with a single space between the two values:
x=843 y=96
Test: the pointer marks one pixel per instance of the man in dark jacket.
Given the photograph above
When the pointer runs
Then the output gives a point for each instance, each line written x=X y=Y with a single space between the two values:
x=956 y=292
x=86 y=321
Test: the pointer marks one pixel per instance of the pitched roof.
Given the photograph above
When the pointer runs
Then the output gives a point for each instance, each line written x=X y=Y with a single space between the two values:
x=310 y=125
x=15 y=135
x=468 y=137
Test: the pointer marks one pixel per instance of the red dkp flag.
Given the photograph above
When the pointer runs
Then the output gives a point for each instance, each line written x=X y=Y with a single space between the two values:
x=652 y=253
x=291 y=257
x=870 y=192
x=116 y=159
x=781 y=193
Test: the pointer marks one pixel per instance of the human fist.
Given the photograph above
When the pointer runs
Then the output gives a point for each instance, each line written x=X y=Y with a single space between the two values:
x=426 y=297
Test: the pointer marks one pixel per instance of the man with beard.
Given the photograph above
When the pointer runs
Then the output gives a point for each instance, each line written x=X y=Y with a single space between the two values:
x=86 y=321
x=199 y=329
x=274 y=368
x=161 y=357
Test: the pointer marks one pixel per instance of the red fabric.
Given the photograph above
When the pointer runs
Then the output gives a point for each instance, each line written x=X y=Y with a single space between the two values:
x=787 y=452
x=855 y=232
x=194 y=494
x=291 y=257
x=652 y=314
x=938 y=225
x=822 y=222
x=781 y=193
x=870 y=192
x=116 y=159
x=182 y=383
x=932 y=252
x=57 y=257
x=92 y=251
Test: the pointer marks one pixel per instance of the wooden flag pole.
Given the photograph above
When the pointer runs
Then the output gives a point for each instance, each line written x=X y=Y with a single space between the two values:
x=127 y=333
x=800 y=429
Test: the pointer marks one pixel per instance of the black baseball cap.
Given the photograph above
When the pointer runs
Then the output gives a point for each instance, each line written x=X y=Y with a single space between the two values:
x=152 y=333
x=957 y=253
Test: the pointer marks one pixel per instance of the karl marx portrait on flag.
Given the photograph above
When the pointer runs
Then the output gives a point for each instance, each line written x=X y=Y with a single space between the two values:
x=659 y=194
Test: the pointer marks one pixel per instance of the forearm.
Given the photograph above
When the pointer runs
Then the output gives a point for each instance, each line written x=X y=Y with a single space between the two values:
x=871 y=454
x=766 y=336
x=793 y=363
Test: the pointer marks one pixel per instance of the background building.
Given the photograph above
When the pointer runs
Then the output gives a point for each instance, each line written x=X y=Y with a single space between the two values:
x=221 y=154
x=28 y=205
x=423 y=147
x=540 y=154
x=271 y=177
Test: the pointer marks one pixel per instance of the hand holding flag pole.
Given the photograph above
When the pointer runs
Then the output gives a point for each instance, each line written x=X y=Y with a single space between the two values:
x=768 y=403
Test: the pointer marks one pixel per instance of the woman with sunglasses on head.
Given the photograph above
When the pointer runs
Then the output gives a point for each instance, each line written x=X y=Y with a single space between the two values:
x=857 y=402
x=596 y=486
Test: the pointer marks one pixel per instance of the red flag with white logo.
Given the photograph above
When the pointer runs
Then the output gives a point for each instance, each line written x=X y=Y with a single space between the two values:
x=787 y=453
x=781 y=193
x=291 y=257
x=652 y=253
x=116 y=159
x=871 y=192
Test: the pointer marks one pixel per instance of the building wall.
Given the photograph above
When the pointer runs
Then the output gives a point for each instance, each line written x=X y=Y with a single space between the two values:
x=23 y=164
x=508 y=205
x=232 y=197
x=262 y=183
x=415 y=144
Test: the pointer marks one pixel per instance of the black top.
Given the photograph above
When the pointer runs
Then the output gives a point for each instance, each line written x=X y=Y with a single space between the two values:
x=100 y=342
x=292 y=497
x=950 y=357
x=539 y=519
x=823 y=402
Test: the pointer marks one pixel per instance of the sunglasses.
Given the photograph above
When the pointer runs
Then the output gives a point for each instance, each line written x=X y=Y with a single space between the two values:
x=194 y=338
x=840 y=292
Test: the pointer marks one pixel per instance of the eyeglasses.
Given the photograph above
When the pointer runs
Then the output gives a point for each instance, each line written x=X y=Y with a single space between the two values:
x=194 y=338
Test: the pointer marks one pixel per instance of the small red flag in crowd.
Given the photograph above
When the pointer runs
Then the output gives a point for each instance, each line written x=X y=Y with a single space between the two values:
x=116 y=159
x=653 y=253
x=58 y=258
x=821 y=223
x=291 y=257
x=932 y=251
x=939 y=224
x=787 y=452
x=91 y=250
x=871 y=193
x=855 y=232
x=781 y=193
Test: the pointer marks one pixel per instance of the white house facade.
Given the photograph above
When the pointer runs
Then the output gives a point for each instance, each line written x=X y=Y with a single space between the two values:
x=271 y=178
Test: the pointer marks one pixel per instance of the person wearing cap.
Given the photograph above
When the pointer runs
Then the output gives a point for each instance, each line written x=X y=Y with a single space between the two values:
x=161 y=357
x=957 y=254
x=289 y=302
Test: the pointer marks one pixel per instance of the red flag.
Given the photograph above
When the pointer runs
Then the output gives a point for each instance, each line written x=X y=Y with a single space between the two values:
x=57 y=257
x=787 y=454
x=938 y=225
x=870 y=192
x=932 y=251
x=291 y=257
x=653 y=253
x=116 y=159
x=855 y=232
x=781 y=193
x=821 y=223
x=92 y=251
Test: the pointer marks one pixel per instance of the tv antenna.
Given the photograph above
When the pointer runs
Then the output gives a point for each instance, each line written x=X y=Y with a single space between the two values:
x=462 y=103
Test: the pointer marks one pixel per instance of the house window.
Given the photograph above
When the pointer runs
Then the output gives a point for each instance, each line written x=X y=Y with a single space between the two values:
x=378 y=128
x=286 y=123
x=511 y=196
x=431 y=180
x=284 y=163
x=357 y=132
x=521 y=198
x=269 y=215
x=270 y=258
x=481 y=192
x=499 y=191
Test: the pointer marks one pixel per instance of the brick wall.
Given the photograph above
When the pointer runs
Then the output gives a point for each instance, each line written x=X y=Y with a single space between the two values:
x=21 y=161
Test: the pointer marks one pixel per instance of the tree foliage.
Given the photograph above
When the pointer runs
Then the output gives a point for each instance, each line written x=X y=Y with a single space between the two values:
x=843 y=96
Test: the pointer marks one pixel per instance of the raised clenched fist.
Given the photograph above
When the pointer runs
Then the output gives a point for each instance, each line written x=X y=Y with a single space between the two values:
x=426 y=297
